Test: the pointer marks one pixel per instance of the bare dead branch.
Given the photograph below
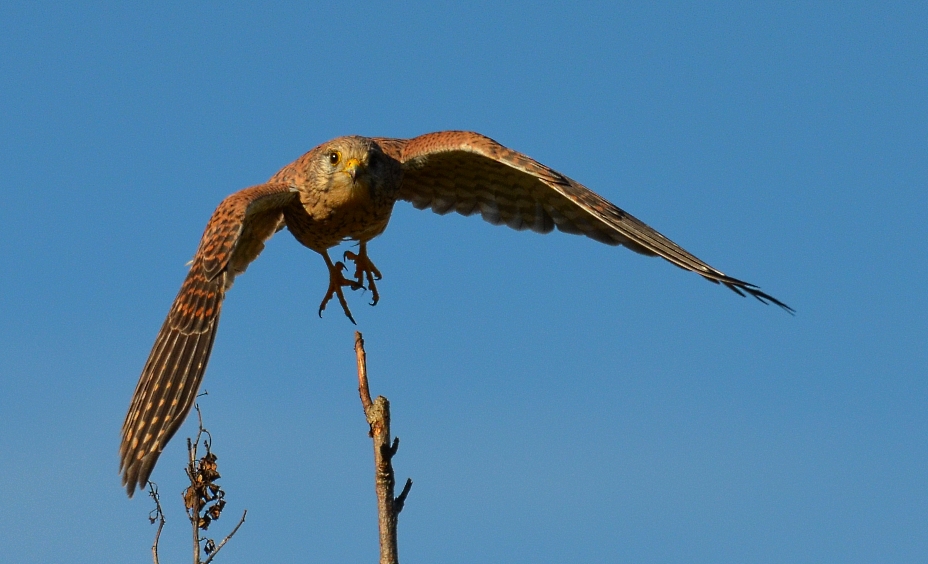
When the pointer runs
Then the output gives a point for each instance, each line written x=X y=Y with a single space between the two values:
x=192 y=502
x=204 y=499
x=377 y=414
x=363 y=389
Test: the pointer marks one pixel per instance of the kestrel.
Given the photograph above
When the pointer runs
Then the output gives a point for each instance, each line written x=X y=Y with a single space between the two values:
x=345 y=189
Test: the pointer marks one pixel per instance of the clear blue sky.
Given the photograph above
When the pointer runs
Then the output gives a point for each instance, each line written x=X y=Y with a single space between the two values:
x=557 y=399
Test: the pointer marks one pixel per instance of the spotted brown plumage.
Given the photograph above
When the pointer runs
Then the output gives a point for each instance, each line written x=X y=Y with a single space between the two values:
x=345 y=190
x=175 y=367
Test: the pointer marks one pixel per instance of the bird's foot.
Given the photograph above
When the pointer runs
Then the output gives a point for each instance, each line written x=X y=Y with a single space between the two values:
x=337 y=281
x=365 y=268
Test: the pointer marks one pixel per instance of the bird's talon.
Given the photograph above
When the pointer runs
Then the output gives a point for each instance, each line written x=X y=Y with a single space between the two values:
x=337 y=281
x=364 y=268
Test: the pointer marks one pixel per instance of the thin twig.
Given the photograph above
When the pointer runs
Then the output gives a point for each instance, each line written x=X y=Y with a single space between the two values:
x=400 y=500
x=225 y=540
x=159 y=516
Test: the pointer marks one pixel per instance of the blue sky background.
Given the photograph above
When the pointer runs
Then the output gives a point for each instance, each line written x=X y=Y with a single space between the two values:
x=557 y=399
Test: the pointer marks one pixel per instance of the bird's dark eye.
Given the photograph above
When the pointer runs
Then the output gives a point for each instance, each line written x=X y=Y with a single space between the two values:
x=334 y=157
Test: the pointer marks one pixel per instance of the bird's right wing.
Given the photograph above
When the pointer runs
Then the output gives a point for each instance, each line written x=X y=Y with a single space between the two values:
x=234 y=237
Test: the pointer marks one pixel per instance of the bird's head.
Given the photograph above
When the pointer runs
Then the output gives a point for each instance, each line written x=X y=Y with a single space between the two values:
x=357 y=164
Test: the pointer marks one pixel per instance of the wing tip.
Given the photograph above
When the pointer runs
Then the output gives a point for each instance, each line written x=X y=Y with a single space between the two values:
x=135 y=474
x=744 y=289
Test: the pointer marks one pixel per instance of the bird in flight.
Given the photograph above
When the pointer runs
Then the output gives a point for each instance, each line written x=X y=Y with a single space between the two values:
x=345 y=189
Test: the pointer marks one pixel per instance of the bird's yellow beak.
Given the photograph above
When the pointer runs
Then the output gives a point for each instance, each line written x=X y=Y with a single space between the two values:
x=352 y=167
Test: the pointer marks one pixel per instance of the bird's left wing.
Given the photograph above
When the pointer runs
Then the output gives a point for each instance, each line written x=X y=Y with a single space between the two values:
x=234 y=237
x=469 y=173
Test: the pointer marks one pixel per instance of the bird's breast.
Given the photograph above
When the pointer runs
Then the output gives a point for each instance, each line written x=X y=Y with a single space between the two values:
x=320 y=220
